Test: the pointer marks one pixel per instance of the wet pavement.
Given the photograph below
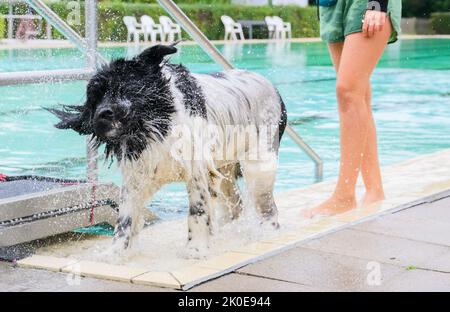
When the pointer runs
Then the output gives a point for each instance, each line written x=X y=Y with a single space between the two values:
x=405 y=251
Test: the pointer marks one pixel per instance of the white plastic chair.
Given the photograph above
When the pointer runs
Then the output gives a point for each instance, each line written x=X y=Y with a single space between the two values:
x=150 y=28
x=282 y=28
x=170 y=29
x=271 y=26
x=232 y=29
x=133 y=29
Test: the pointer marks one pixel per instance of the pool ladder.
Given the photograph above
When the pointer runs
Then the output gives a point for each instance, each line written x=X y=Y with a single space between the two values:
x=89 y=47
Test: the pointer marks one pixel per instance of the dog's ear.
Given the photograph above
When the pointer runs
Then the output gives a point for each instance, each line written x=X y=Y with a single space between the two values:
x=76 y=118
x=156 y=54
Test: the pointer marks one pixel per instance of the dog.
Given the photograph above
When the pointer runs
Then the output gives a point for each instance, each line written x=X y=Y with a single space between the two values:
x=148 y=112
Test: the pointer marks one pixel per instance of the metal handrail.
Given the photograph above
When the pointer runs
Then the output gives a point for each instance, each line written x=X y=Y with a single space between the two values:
x=93 y=58
x=41 y=76
x=88 y=47
x=215 y=54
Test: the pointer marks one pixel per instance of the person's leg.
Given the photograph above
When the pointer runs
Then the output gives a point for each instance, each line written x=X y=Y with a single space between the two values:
x=359 y=57
x=335 y=50
x=370 y=166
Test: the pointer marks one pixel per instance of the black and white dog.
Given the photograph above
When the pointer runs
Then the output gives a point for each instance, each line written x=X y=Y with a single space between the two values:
x=155 y=117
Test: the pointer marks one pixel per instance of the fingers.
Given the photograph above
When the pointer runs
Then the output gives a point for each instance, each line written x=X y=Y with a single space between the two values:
x=371 y=30
x=382 y=21
x=373 y=22
x=365 y=27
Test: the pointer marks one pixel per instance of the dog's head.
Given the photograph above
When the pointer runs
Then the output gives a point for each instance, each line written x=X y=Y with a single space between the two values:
x=128 y=103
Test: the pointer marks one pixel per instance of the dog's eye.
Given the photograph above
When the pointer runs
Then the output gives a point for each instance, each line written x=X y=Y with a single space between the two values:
x=106 y=114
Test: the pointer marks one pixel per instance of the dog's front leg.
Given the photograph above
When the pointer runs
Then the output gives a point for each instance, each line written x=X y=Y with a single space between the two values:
x=199 y=219
x=130 y=220
x=260 y=178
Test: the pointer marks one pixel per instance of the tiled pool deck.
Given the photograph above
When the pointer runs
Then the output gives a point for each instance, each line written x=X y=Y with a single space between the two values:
x=404 y=242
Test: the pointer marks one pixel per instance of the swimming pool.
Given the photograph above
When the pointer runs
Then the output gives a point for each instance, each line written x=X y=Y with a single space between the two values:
x=411 y=106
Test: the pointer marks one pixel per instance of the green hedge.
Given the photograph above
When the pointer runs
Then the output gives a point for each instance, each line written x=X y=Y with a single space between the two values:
x=424 y=8
x=2 y=28
x=206 y=16
x=3 y=10
x=184 y=1
x=440 y=22
x=198 y=1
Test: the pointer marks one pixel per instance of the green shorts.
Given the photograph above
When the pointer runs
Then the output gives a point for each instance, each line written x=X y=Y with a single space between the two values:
x=346 y=17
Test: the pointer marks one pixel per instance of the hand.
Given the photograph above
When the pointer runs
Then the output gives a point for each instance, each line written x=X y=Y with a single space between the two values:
x=373 y=21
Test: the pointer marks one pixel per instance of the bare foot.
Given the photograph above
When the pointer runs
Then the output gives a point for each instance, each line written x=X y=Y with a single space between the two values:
x=371 y=198
x=334 y=205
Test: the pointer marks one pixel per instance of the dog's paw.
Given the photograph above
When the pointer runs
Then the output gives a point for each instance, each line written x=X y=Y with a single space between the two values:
x=113 y=254
x=117 y=249
x=122 y=248
x=271 y=223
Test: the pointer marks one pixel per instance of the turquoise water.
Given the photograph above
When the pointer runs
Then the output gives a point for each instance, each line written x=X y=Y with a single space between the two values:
x=411 y=106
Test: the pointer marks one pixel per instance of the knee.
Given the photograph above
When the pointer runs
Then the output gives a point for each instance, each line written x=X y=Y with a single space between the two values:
x=351 y=99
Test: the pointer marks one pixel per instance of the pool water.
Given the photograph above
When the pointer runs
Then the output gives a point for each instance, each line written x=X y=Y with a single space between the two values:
x=411 y=102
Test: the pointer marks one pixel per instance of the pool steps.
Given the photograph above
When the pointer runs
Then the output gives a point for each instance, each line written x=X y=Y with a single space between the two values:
x=39 y=214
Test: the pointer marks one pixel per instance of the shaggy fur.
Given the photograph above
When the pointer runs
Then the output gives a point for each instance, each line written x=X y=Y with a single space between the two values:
x=165 y=124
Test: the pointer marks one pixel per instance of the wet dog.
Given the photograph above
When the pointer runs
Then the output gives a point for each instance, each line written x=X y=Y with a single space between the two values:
x=165 y=124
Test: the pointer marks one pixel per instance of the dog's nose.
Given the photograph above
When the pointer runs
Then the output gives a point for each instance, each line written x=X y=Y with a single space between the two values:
x=106 y=114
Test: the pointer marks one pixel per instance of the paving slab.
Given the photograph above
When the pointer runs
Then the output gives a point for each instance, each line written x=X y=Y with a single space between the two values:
x=441 y=263
x=244 y=283
x=18 y=279
x=45 y=262
x=12 y=288
x=31 y=278
x=438 y=210
x=411 y=227
x=96 y=285
x=420 y=281
x=159 y=279
x=105 y=271
x=324 y=270
x=378 y=247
